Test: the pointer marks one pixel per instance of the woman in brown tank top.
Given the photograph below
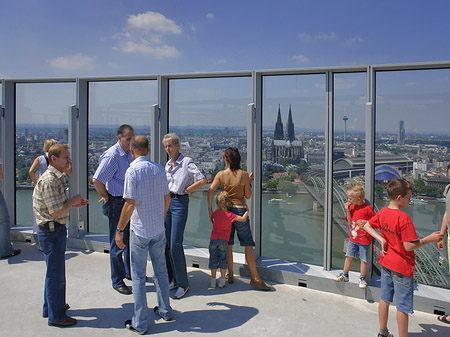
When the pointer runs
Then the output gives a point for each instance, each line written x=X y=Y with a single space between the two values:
x=236 y=183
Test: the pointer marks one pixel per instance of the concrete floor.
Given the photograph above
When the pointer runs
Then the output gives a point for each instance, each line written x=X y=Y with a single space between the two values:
x=236 y=310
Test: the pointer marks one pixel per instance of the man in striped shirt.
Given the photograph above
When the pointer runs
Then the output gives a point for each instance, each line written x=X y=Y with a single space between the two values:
x=147 y=200
x=108 y=182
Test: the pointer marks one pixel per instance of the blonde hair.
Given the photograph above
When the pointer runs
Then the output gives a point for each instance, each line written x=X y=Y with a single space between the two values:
x=48 y=144
x=223 y=201
x=358 y=190
x=171 y=137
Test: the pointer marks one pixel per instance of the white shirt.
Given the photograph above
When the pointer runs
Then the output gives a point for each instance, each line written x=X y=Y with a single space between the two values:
x=183 y=173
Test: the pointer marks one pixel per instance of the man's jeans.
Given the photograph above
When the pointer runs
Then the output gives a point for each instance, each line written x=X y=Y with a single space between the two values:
x=120 y=266
x=5 y=229
x=53 y=245
x=140 y=248
x=175 y=223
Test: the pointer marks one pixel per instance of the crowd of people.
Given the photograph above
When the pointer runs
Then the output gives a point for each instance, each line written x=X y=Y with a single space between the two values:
x=147 y=208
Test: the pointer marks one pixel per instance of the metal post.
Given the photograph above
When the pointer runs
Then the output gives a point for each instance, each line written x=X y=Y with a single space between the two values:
x=163 y=102
x=154 y=134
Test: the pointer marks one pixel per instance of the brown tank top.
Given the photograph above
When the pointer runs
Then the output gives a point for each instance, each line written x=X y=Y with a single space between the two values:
x=235 y=188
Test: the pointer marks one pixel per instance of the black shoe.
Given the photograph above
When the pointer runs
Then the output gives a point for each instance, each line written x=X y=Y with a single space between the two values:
x=45 y=314
x=130 y=327
x=14 y=253
x=123 y=289
x=68 y=321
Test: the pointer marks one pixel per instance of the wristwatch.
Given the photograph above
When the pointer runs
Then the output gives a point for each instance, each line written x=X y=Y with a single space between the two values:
x=118 y=230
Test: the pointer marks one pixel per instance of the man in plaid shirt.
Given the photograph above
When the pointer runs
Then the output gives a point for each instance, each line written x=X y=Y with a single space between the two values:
x=51 y=204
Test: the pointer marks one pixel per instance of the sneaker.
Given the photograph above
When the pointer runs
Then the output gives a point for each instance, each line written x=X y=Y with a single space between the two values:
x=172 y=286
x=181 y=292
x=166 y=318
x=222 y=282
x=130 y=327
x=212 y=283
x=387 y=334
x=341 y=278
x=362 y=283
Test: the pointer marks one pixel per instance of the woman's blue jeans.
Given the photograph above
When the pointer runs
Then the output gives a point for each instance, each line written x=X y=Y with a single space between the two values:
x=175 y=224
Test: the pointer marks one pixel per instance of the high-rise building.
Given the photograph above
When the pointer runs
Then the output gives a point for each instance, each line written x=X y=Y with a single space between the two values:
x=285 y=146
x=401 y=133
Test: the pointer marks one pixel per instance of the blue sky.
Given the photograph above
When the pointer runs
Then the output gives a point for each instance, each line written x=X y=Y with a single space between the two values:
x=50 y=38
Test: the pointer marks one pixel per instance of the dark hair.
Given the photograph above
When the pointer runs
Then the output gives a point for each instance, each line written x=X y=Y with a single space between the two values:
x=448 y=167
x=139 y=143
x=123 y=129
x=398 y=187
x=233 y=157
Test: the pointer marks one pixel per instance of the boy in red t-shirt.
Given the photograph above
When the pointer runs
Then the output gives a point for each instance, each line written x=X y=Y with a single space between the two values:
x=220 y=234
x=360 y=241
x=398 y=241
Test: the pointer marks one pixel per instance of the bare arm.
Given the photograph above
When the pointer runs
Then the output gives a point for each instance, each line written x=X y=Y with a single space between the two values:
x=347 y=209
x=369 y=229
x=433 y=237
x=125 y=216
x=195 y=186
x=101 y=189
x=242 y=218
x=441 y=243
x=248 y=188
x=75 y=201
x=166 y=203
x=1 y=172
x=32 y=170
x=211 y=191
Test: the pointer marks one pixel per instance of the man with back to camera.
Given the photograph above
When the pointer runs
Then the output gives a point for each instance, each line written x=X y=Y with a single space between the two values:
x=108 y=182
x=147 y=200
x=51 y=205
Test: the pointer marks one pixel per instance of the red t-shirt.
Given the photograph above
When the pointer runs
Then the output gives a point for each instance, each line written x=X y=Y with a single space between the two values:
x=396 y=227
x=360 y=212
x=222 y=224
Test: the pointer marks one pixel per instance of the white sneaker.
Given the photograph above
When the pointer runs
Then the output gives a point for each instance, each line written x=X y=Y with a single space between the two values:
x=222 y=282
x=172 y=286
x=341 y=278
x=362 y=283
x=181 y=292
x=212 y=283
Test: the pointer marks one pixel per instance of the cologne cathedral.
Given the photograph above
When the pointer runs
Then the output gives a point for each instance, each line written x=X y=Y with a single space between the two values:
x=285 y=146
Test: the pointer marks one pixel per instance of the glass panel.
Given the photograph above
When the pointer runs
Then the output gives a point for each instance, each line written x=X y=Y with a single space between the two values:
x=112 y=104
x=42 y=112
x=348 y=156
x=209 y=115
x=412 y=141
x=293 y=166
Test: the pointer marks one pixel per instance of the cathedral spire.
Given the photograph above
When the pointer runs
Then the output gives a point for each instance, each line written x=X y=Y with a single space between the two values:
x=290 y=133
x=279 y=132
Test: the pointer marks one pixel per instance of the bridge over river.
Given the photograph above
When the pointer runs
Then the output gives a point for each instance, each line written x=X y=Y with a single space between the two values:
x=427 y=270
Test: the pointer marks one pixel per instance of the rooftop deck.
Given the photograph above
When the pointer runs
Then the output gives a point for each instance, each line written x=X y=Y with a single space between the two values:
x=236 y=310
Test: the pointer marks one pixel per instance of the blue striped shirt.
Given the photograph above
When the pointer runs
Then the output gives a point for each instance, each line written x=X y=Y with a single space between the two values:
x=183 y=174
x=112 y=166
x=145 y=182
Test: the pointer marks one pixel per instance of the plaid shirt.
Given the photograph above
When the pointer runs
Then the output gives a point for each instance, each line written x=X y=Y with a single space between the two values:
x=49 y=196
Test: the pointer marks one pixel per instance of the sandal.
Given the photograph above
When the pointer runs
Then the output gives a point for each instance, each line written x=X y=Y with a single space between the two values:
x=444 y=319
x=230 y=278
x=259 y=284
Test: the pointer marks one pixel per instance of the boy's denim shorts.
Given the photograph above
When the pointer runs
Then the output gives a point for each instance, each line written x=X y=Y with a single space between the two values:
x=242 y=228
x=353 y=249
x=218 y=253
x=393 y=283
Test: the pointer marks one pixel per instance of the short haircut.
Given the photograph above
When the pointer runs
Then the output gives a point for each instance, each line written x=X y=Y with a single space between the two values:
x=223 y=201
x=139 y=144
x=399 y=187
x=171 y=137
x=55 y=150
x=358 y=190
x=48 y=144
x=123 y=129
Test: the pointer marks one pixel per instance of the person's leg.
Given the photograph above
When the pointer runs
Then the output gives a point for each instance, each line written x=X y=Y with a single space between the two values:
x=139 y=251
x=112 y=209
x=179 y=208
x=169 y=262
x=402 y=323
x=54 y=247
x=6 y=247
x=386 y=297
x=347 y=264
x=230 y=262
x=156 y=249
x=364 y=266
x=250 y=258
x=383 y=314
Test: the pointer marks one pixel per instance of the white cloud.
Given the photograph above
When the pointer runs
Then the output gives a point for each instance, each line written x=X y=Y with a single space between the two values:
x=356 y=39
x=154 y=21
x=320 y=36
x=210 y=16
x=302 y=58
x=72 y=62
x=148 y=33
